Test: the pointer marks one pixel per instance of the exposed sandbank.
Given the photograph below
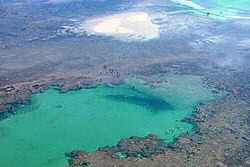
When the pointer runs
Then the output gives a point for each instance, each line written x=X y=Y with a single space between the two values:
x=130 y=26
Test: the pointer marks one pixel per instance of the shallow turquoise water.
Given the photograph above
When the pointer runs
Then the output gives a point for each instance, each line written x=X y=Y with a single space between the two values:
x=56 y=123
x=219 y=9
x=229 y=9
x=232 y=4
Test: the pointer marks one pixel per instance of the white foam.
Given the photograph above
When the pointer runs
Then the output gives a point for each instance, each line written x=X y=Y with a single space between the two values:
x=239 y=17
x=188 y=3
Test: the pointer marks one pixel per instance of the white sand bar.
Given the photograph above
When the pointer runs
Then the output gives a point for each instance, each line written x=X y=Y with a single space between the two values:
x=132 y=26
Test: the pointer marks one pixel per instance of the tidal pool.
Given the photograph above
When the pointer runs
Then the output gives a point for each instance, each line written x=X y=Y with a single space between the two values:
x=55 y=123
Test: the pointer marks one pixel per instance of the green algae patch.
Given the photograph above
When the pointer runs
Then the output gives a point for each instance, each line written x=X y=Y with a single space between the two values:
x=55 y=123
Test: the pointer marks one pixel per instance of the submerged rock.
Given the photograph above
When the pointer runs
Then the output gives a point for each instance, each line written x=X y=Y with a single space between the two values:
x=142 y=146
x=77 y=158
x=132 y=147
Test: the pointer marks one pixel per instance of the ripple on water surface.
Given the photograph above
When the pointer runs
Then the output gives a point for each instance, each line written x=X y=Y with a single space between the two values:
x=55 y=123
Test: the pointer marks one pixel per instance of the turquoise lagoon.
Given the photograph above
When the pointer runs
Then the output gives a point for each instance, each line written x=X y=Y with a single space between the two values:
x=55 y=123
